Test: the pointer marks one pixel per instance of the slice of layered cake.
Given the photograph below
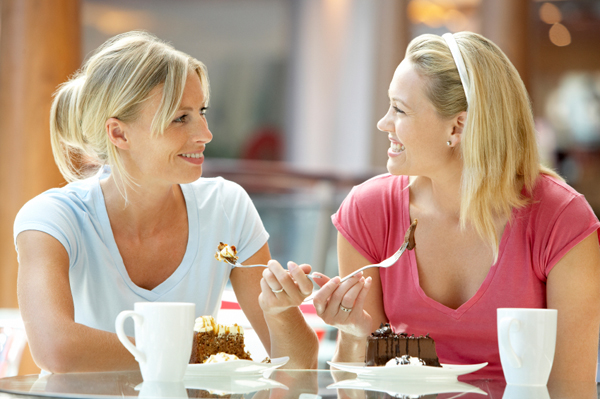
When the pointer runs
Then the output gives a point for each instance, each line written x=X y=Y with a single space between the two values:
x=384 y=345
x=211 y=338
x=227 y=253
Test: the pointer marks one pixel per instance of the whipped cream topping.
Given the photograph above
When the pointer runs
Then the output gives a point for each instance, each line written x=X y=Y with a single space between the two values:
x=405 y=360
x=204 y=324
x=226 y=252
x=208 y=323
x=220 y=358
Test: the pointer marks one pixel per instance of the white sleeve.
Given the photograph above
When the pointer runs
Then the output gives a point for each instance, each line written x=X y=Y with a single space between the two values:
x=247 y=227
x=50 y=214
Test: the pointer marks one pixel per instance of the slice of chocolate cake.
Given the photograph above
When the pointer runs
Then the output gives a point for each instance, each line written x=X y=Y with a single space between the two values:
x=211 y=338
x=384 y=345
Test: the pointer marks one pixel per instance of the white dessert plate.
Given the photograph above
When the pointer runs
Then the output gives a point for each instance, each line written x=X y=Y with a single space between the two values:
x=235 y=366
x=403 y=388
x=447 y=371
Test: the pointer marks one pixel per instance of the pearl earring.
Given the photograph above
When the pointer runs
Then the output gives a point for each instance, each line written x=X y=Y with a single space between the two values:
x=449 y=143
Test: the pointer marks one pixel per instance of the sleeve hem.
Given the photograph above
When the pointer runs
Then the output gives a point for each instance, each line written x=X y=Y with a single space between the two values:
x=352 y=241
x=559 y=255
x=44 y=229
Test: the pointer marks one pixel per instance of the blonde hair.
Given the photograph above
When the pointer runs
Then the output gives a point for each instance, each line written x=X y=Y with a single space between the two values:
x=114 y=83
x=498 y=145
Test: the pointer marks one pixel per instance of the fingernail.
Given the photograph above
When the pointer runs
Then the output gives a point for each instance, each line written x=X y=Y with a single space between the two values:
x=292 y=266
x=315 y=276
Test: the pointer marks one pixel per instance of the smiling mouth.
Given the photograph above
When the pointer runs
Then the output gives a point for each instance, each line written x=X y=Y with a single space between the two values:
x=397 y=147
x=195 y=155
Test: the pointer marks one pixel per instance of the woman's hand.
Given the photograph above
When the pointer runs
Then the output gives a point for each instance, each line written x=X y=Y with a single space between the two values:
x=342 y=304
x=282 y=292
x=283 y=289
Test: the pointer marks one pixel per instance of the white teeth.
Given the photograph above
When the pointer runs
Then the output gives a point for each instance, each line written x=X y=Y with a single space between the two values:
x=192 y=155
x=397 y=147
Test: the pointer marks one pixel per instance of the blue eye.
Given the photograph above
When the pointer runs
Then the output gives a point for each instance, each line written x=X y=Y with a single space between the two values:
x=181 y=119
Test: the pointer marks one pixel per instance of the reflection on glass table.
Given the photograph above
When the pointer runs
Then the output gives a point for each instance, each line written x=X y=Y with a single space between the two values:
x=279 y=384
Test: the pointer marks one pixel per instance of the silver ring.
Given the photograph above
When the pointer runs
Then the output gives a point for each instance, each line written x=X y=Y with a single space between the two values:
x=345 y=309
x=277 y=291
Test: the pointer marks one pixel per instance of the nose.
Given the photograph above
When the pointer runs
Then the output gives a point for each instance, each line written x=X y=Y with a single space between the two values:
x=385 y=124
x=202 y=133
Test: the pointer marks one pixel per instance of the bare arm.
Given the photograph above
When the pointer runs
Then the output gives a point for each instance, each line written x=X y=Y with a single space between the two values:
x=57 y=343
x=362 y=294
x=284 y=332
x=573 y=288
x=290 y=334
x=246 y=285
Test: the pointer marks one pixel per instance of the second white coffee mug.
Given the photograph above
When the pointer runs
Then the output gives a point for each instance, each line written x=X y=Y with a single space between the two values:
x=164 y=332
x=527 y=340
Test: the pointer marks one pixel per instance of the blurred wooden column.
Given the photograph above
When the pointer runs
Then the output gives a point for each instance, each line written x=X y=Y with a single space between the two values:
x=506 y=23
x=39 y=48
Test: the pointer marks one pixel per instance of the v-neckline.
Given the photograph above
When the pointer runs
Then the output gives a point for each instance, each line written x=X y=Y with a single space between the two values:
x=458 y=312
x=182 y=269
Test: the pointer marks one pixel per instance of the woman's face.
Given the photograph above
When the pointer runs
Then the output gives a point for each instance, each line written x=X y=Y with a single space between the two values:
x=176 y=156
x=417 y=134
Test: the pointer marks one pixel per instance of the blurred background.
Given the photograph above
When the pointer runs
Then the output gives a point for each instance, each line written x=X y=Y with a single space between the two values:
x=297 y=87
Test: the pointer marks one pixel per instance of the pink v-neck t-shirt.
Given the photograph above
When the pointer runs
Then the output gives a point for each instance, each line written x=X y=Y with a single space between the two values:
x=374 y=218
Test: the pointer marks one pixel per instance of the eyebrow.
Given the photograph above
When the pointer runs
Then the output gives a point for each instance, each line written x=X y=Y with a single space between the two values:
x=189 y=108
x=399 y=100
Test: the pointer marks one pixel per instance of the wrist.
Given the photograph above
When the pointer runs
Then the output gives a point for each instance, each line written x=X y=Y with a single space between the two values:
x=352 y=339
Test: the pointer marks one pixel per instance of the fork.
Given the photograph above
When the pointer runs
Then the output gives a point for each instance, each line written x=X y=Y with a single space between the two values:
x=236 y=264
x=385 y=263
x=409 y=243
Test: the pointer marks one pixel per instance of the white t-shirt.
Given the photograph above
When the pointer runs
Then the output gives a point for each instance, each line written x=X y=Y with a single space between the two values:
x=218 y=211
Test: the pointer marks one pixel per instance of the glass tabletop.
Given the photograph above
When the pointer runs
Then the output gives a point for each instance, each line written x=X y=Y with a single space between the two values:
x=279 y=384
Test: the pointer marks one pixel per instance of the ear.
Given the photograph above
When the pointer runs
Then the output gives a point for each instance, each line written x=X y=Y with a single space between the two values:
x=116 y=133
x=457 y=128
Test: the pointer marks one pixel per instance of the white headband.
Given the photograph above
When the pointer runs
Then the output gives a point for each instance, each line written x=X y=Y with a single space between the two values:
x=458 y=60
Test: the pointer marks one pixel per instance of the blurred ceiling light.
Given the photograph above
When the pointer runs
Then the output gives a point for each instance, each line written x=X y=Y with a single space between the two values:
x=466 y=3
x=111 y=21
x=456 y=21
x=426 y=12
x=445 y=4
x=550 y=14
x=559 y=35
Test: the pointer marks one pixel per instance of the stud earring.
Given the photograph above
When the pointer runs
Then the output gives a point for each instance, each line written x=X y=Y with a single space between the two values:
x=449 y=143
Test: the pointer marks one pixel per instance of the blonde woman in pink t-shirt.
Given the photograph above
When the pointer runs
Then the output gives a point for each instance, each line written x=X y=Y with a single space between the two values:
x=496 y=228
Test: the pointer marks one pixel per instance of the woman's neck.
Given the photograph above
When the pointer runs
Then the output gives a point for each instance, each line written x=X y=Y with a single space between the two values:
x=442 y=193
x=146 y=210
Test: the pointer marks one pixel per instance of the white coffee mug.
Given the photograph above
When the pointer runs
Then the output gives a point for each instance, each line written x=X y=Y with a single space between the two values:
x=164 y=332
x=527 y=340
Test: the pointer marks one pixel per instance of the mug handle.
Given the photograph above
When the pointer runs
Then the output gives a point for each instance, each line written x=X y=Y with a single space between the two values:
x=504 y=341
x=137 y=318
